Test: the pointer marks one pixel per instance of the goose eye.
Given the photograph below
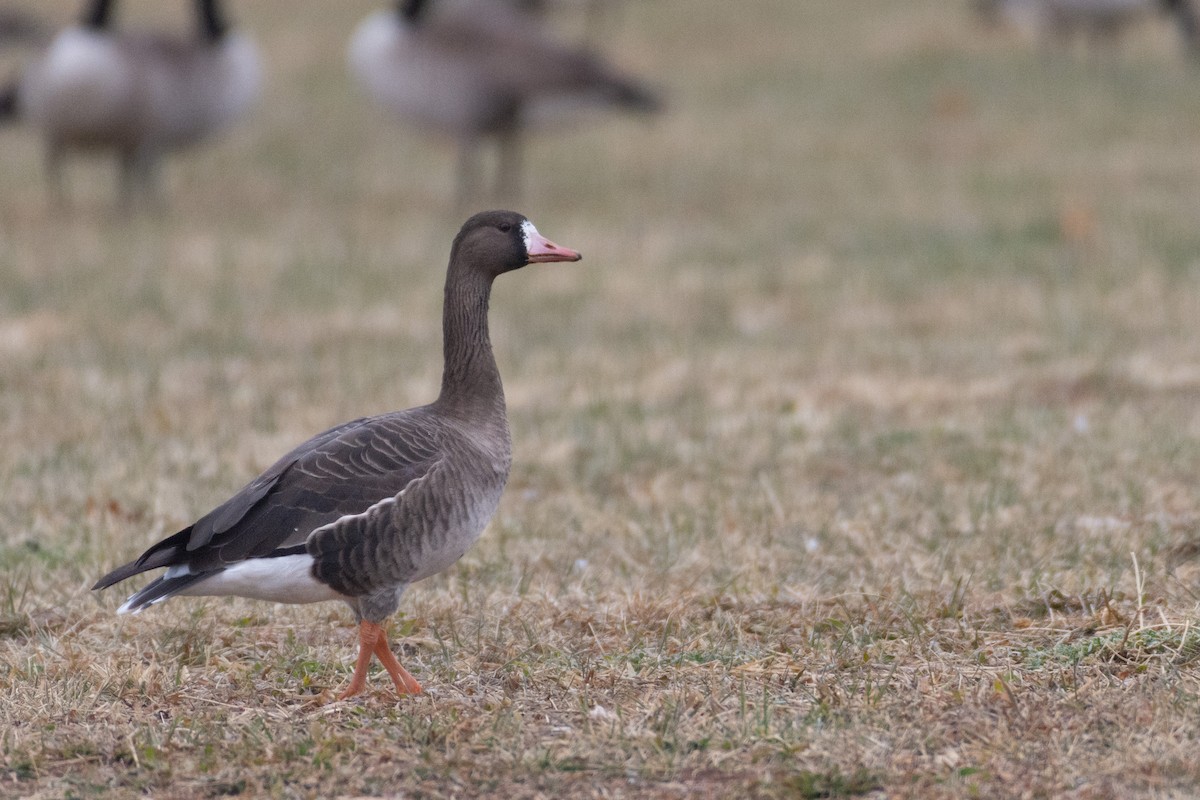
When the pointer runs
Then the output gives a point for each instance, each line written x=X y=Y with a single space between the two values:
x=505 y=227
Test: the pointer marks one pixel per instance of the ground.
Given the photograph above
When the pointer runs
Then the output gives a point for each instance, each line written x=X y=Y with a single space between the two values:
x=858 y=457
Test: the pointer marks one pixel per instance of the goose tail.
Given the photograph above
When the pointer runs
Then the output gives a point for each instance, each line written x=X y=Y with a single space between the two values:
x=635 y=97
x=160 y=589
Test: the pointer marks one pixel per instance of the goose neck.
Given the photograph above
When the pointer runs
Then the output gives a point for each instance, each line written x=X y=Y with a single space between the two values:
x=470 y=378
x=97 y=15
x=411 y=10
x=213 y=25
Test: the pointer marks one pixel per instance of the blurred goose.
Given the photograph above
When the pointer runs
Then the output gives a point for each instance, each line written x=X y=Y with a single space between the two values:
x=480 y=71
x=138 y=94
x=1096 y=20
x=359 y=512
x=588 y=14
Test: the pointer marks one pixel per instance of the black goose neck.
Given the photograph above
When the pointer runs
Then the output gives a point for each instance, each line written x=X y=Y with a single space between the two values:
x=411 y=11
x=213 y=25
x=98 y=14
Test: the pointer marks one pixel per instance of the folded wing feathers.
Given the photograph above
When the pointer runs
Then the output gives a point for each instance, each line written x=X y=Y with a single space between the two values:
x=344 y=472
x=350 y=553
x=516 y=59
x=229 y=513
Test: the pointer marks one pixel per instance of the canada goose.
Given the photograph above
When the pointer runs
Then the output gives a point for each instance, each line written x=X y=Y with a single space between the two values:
x=138 y=94
x=1094 y=20
x=479 y=72
x=359 y=512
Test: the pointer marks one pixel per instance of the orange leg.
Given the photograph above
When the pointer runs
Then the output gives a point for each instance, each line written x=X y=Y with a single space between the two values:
x=372 y=640
x=405 y=682
x=368 y=634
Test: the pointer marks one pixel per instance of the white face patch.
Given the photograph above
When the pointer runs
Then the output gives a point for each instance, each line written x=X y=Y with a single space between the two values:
x=529 y=233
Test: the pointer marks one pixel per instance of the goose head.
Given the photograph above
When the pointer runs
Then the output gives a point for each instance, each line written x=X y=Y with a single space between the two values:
x=495 y=242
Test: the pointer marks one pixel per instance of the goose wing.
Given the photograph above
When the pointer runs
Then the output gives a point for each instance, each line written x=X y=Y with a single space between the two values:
x=344 y=471
x=514 y=52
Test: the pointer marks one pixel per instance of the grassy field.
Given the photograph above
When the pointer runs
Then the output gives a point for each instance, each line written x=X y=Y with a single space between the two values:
x=859 y=456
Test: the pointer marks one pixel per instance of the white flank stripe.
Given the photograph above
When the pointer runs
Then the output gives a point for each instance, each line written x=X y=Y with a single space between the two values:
x=285 y=579
x=385 y=501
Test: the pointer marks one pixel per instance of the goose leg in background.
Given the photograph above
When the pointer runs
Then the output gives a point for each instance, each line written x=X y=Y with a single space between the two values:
x=138 y=178
x=126 y=179
x=508 y=167
x=55 y=186
x=468 y=172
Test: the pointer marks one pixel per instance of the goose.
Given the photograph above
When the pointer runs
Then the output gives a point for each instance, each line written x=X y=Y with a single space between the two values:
x=137 y=94
x=479 y=72
x=1095 y=20
x=361 y=511
x=588 y=15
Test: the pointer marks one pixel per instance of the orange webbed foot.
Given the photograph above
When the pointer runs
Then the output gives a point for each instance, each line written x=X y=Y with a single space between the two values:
x=405 y=682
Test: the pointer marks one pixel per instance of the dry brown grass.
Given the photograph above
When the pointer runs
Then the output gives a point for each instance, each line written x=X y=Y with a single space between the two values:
x=858 y=457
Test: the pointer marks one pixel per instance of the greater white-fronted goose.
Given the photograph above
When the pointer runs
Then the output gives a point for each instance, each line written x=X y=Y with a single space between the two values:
x=364 y=509
x=477 y=71
x=137 y=94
